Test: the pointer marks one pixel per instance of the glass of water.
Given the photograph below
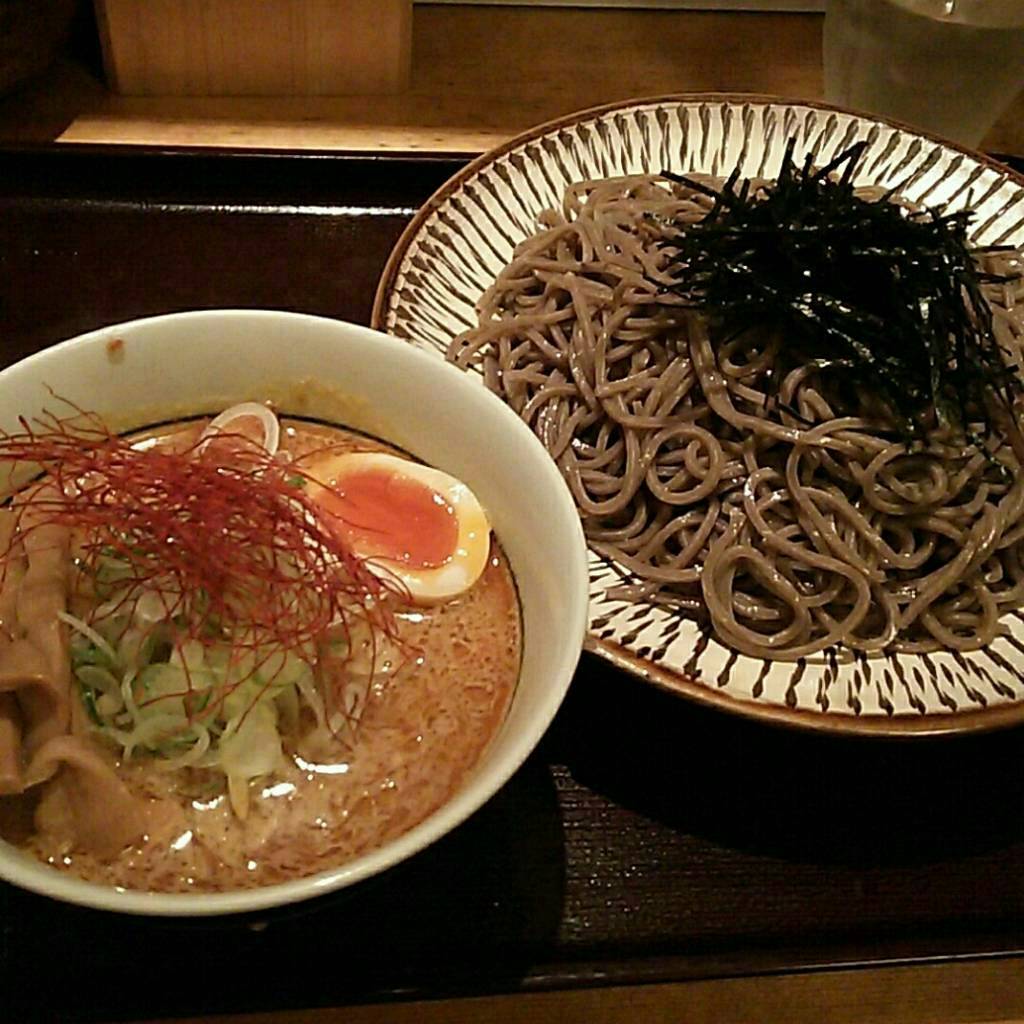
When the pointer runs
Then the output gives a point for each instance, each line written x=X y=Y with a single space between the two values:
x=950 y=67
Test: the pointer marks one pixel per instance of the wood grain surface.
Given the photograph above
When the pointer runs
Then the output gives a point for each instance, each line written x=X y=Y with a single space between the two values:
x=647 y=840
x=251 y=48
x=479 y=75
x=981 y=992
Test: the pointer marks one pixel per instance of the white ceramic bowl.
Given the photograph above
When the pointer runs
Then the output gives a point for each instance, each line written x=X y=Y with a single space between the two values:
x=150 y=370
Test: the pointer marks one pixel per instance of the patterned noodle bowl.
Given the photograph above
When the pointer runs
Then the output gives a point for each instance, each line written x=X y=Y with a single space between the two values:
x=466 y=232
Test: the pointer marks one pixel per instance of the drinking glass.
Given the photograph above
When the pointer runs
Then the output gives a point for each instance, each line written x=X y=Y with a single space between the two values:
x=949 y=67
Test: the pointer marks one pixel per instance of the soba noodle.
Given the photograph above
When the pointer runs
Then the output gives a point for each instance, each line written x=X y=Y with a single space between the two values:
x=730 y=482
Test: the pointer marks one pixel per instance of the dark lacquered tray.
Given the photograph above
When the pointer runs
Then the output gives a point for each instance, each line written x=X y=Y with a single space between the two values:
x=647 y=839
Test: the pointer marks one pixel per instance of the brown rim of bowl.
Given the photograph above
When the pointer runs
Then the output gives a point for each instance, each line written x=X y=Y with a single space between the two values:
x=832 y=723
x=902 y=726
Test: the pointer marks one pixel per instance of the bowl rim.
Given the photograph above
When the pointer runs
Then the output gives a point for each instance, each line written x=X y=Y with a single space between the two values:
x=21 y=869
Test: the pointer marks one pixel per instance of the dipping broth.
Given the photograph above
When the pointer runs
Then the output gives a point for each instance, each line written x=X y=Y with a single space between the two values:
x=418 y=705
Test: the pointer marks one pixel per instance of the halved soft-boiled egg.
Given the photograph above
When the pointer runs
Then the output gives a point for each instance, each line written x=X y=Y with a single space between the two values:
x=407 y=520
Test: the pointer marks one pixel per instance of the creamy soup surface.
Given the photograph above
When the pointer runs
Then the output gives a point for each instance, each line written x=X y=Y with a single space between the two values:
x=421 y=731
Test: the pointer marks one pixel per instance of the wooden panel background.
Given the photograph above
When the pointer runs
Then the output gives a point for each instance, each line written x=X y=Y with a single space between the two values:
x=479 y=75
x=255 y=48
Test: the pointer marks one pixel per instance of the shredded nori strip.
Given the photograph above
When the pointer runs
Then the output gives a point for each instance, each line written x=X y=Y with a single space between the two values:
x=889 y=297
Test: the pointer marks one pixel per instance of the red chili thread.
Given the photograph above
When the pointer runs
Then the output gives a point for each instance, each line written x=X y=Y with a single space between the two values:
x=236 y=551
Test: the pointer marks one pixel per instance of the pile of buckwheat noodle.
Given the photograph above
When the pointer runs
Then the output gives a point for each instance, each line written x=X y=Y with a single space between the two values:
x=793 y=534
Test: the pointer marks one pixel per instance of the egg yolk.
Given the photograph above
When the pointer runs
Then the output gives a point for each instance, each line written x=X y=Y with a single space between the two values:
x=386 y=515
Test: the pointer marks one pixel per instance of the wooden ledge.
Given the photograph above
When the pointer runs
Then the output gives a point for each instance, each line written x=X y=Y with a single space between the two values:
x=987 y=991
x=479 y=75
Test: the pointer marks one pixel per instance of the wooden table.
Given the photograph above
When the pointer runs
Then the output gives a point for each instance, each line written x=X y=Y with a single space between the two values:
x=653 y=861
